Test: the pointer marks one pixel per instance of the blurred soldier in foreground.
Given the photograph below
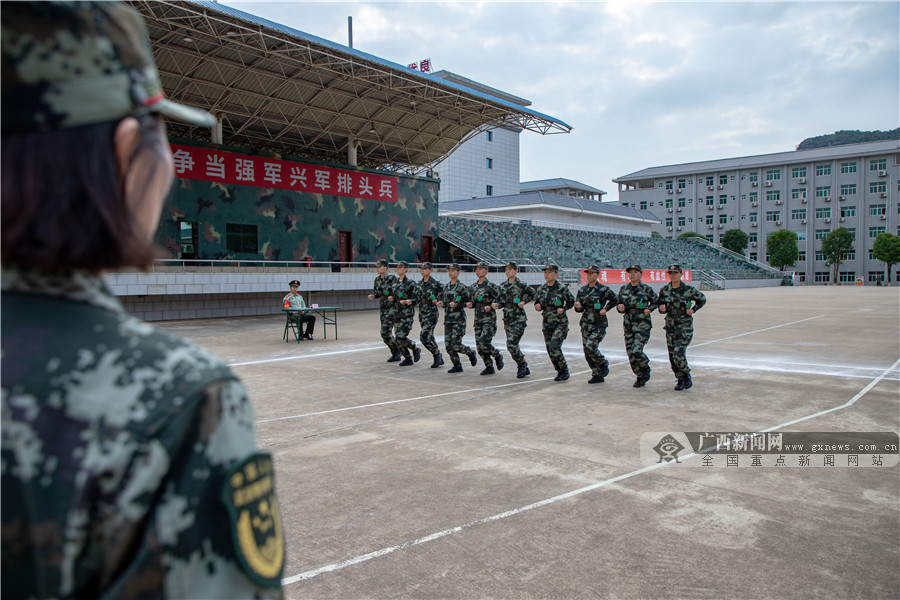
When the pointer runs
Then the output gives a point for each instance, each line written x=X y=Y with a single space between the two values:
x=514 y=295
x=129 y=461
x=405 y=295
x=594 y=300
x=554 y=299
x=679 y=301
x=453 y=300
x=636 y=301
x=387 y=310
x=430 y=290
x=484 y=294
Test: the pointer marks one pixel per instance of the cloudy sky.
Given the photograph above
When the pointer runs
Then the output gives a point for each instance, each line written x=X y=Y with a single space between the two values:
x=644 y=84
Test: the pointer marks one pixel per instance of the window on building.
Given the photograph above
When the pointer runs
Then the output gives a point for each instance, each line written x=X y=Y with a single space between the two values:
x=848 y=167
x=801 y=235
x=643 y=205
x=753 y=256
x=489 y=190
x=723 y=199
x=754 y=176
x=847 y=276
x=798 y=213
x=489 y=163
x=821 y=234
x=681 y=221
x=710 y=238
x=754 y=197
x=490 y=136
x=878 y=164
x=820 y=255
x=848 y=189
x=241 y=238
x=823 y=169
x=877 y=209
x=669 y=222
x=823 y=276
x=723 y=179
x=849 y=256
x=752 y=237
x=848 y=211
x=710 y=180
x=852 y=231
x=798 y=193
x=876 y=276
x=874 y=231
x=681 y=202
x=682 y=183
x=877 y=187
x=823 y=191
x=669 y=184
x=753 y=217
x=709 y=219
x=773 y=215
x=723 y=219
x=710 y=200
x=823 y=212
x=801 y=256
x=773 y=195
x=802 y=277
x=797 y=172
x=773 y=174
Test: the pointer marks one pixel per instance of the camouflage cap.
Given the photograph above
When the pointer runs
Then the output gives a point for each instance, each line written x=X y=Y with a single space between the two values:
x=635 y=268
x=67 y=64
x=382 y=262
x=481 y=265
x=403 y=264
x=293 y=283
x=551 y=267
x=453 y=267
x=426 y=265
x=675 y=269
x=592 y=269
x=512 y=265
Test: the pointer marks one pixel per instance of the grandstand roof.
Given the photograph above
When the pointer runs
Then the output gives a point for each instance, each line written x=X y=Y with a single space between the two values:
x=281 y=90
x=556 y=183
x=495 y=204
x=762 y=160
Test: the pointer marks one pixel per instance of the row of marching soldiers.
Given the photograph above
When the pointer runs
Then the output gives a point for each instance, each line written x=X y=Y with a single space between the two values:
x=399 y=296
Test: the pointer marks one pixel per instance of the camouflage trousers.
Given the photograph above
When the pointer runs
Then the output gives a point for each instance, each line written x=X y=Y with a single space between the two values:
x=485 y=330
x=403 y=324
x=387 y=326
x=678 y=338
x=637 y=334
x=427 y=321
x=453 y=335
x=515 y=329
x=554 y=336
x=591 y=336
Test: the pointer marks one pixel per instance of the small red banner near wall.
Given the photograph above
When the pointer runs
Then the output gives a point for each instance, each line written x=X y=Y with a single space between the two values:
x=208 y=164
x=619 y=276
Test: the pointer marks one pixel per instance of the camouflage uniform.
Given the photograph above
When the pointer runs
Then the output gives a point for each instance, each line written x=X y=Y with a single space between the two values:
x=556 y=326
x=637 y=326
x=679 y=324
x=387 y=310
x=593 y=324
x=129 y=462
x=428 y=313
x=514 y=319
x=404 y=314
x=455 y=321
x=484 y=294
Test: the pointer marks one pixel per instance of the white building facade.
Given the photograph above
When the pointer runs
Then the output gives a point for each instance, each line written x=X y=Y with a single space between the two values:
x=810 y=192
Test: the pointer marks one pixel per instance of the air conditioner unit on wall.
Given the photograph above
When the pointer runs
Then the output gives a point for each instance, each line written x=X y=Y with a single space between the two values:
x=803 y=221
x=828 y=219
x=753 y=244
x=754 y=183
x=768 y=184
x=882 y=173
x=802 y=180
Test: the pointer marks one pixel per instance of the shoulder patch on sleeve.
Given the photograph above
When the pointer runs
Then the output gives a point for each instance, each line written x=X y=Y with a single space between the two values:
x=249 y=495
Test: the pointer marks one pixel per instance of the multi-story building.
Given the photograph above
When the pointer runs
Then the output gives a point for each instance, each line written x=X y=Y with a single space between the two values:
x=810 y=192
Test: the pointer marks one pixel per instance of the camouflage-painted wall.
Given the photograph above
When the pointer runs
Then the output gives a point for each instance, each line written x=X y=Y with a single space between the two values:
x=296 y=226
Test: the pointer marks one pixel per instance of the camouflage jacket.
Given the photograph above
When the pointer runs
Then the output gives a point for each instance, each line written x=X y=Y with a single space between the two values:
x=511 y=294
x=129 y=461
x=428 y=291
x=382 y=289
x=593 y=300
x=455 y=292
x=484 y=294
x=636 y=299
x=551 y=298
x=405 y=289
x=679 y=299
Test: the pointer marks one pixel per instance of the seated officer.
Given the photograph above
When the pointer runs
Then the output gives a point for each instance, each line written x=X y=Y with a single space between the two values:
x=294 y=299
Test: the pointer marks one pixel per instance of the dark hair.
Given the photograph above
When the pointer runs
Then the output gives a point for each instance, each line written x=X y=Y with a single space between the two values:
x=63 y=201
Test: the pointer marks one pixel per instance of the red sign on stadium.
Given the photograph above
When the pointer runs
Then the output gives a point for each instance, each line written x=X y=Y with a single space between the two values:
x=616 y=276
x=208 y=164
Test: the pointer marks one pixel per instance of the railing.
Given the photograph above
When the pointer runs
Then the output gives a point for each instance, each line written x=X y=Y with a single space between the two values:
x=711 y=278
x=541 y=223
x=723 y=250
x=471 y=249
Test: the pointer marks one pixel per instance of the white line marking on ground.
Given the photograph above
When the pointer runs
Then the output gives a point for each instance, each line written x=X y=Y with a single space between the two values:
x=752 y=332
x=516 y=511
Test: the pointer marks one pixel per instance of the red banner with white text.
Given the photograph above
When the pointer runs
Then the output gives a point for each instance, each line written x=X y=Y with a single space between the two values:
x=208 y=164
x=611 y=276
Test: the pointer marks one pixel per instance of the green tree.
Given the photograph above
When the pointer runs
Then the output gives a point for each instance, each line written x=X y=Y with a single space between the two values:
x=656 y=235
x=835 y=247
x=782 y=248
x=687 y=235
x=887 y=249
x=735 y=240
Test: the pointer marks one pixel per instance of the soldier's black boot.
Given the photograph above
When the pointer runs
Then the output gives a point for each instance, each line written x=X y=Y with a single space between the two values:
x=407 y=361
x=473 y=358
x=596 y=379
x=457 y=368
x=417 y=354
x=523 y=371
x=605 y=370
x=395 y=357
x=640 y=381
x=562 y=375
x=679 y=386
x=499 y=360
x=687 y=383
x=487 y=371
x=438 y=361
x=646 y=375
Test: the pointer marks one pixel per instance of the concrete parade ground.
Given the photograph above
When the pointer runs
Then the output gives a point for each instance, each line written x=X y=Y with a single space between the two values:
x=409 y=482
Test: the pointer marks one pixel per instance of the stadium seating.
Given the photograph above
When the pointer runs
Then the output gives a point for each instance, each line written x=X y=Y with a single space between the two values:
x=570 y=248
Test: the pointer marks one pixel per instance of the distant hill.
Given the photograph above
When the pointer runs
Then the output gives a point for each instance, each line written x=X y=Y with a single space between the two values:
x=840 y=138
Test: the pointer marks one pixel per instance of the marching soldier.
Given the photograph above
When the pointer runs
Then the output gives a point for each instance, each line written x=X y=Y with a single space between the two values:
x=484 y=294
x=386 y=309
x=679 y=301
x=593 y=301
x=636 y=301
x=453 y=300
x=430 y=290
x=405 y=296
x=554 y=299
x=514 y=295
